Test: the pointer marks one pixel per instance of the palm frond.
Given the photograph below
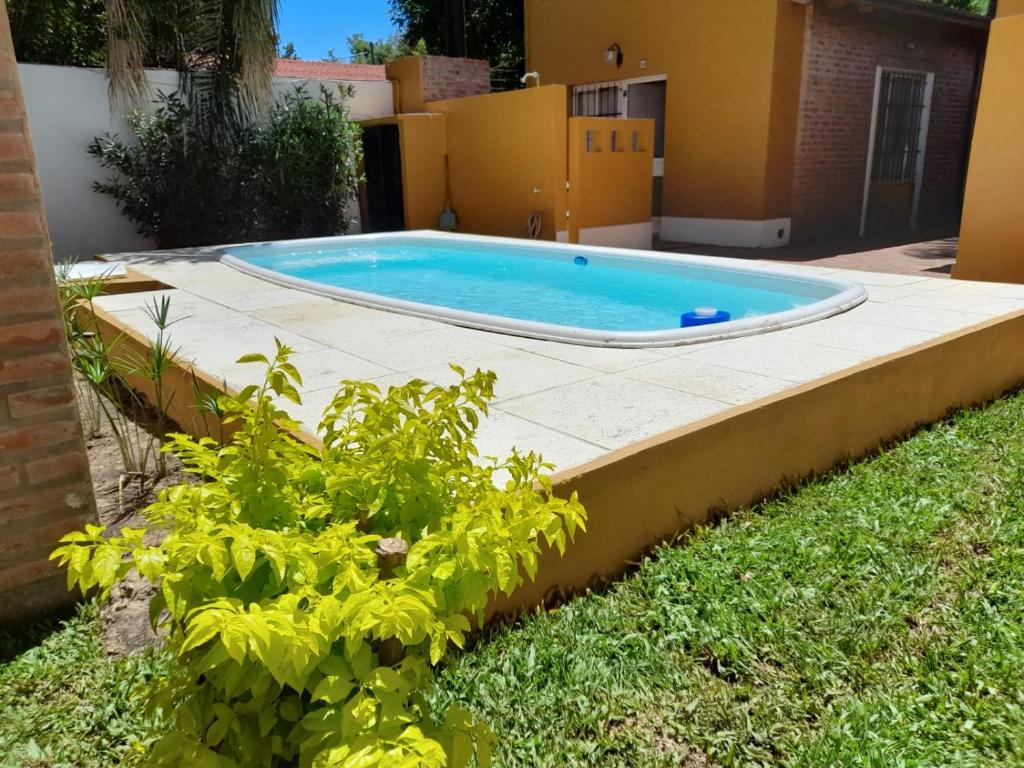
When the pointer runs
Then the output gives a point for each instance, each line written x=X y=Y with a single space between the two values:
x=125 y=55
x=254 y=24
x=224 y=51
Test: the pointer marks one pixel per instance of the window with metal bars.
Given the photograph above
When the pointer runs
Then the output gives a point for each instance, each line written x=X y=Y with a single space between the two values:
x=597 y=101
x=898 y=127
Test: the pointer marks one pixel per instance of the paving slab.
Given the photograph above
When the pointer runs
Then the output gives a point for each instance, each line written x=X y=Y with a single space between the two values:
x=572 y=403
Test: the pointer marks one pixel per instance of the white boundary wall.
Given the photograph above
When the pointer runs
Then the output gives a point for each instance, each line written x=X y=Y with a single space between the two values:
x=68 y=106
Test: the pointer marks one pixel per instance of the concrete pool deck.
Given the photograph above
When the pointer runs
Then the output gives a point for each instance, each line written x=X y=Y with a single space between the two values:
x=626 y=427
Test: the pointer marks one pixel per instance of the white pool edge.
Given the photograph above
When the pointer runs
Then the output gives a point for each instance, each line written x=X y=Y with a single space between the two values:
x=848 y=296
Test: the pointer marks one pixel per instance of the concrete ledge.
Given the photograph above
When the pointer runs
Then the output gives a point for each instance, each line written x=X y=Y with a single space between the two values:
x=643 y=495
x=636 y=235
x=740 y=233
x=133 y=282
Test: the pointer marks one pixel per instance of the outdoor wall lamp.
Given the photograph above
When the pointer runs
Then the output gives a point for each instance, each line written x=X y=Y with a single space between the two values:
x=613 y=53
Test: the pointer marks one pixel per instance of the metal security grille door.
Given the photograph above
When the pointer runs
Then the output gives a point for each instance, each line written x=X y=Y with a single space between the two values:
x=899 y=131
x=603 y=100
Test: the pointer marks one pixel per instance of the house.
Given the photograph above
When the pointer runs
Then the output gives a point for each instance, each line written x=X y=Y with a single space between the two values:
x=992 y=232
x=777 y=120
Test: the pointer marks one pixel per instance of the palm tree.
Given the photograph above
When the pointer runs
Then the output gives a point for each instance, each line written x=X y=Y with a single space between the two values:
x=224 y=51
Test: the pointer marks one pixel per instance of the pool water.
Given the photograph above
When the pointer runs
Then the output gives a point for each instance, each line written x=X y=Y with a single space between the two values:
x=551 y=285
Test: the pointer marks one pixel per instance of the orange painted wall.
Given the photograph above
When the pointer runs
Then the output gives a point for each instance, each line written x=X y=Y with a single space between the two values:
x=421 y=139
x=423 y=146
x=732 y=91
x=1010 y=8
x=406 y=76
x=609 y=187
x=507 y=158
x=992 y=229
x=509 y=155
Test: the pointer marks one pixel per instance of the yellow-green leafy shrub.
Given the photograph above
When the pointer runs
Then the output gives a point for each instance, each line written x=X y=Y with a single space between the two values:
x=275 y=606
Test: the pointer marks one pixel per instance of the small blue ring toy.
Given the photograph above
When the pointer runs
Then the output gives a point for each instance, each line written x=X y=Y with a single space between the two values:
x=580 y=261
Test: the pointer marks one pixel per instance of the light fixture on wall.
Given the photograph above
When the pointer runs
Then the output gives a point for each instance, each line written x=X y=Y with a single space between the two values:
x=613 y=53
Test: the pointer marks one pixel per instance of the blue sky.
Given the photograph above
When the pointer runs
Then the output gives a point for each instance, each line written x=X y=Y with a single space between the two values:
x=314 y=26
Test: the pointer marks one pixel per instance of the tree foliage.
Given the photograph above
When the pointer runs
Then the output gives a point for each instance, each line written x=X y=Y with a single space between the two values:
x=363 y=51
x=275 y=607
x=71 y=33
x=494 y=31
x=972 y=6
x=63 y=32
x=289 y=176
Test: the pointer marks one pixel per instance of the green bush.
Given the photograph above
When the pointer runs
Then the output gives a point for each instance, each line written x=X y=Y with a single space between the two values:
x=294 y=642
x=186 y=184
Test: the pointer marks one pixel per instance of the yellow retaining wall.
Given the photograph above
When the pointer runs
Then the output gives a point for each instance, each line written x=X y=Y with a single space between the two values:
x=609 y=186
x=992 y=229
x=732 y=90
x=507 y=159
x=646 y=493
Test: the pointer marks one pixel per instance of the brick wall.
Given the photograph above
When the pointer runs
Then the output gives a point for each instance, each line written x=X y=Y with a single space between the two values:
x=842 y=50
x=448 y=78
x=45 y=489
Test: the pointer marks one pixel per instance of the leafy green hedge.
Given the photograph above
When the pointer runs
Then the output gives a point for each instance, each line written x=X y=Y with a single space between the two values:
x=186 y=183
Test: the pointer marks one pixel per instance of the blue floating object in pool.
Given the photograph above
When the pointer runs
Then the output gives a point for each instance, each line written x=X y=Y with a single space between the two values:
x=703 y=316
x=580 y=261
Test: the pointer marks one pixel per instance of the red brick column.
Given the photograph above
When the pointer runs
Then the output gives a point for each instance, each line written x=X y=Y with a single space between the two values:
x=45 y=489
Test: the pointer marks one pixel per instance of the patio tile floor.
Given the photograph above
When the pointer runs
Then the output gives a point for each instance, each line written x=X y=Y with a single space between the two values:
x=570 y=402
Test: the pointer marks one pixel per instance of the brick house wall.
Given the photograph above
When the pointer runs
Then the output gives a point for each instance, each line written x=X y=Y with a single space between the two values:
x=45 y=488
x=449 y=78
x=842 y=49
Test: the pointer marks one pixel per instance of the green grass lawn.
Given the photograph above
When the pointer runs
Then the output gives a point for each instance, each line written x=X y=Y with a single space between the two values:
x=871 y=618
x=65 y=704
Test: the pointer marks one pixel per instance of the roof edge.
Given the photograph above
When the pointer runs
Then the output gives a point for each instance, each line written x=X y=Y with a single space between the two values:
x=931 y=10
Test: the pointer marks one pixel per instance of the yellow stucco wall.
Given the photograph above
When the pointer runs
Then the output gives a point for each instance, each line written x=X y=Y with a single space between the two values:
x=992 y=229
x=507 y=159
x=1010 y=8
x=732 y=88
x=509 y=156
x=422 y=140
x=406 y=76
x=609 y=187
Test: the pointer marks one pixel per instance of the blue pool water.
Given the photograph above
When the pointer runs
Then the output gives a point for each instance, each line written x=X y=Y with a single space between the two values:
x=524 y=283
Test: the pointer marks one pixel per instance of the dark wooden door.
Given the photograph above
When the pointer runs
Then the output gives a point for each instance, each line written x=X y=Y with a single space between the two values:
x=382 y=161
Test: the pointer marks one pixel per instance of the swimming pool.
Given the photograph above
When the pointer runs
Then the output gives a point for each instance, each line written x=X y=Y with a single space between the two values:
x=556 y=291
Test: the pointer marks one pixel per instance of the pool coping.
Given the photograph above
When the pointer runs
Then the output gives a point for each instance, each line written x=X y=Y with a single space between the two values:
x=849 y=295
